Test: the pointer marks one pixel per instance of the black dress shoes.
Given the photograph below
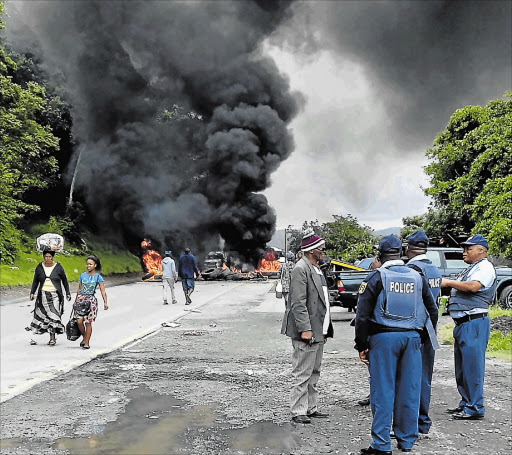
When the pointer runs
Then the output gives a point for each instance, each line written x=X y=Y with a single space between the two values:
x=466 y=416
x=455 y=410
x=370 y=450
x=301 y=419
x=318 y=415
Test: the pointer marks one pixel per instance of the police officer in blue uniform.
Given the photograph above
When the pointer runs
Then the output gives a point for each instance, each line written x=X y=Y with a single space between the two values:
x=393 y=307
x=471 y=294
x=417 y=244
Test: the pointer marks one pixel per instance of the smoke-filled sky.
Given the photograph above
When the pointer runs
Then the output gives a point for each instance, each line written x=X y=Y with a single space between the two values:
x=325 y=107
x=381 y=79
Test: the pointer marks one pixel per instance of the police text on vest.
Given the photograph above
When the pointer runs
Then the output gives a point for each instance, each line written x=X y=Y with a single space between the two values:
x=401 y=288
x=434 y=282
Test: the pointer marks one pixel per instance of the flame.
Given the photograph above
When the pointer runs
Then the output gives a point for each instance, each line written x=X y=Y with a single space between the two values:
x=268 y=266
x=151 y=259
x=269 y=263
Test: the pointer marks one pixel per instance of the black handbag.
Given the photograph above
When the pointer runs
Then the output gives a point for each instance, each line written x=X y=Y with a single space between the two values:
x=72 y=330
x=83 y=305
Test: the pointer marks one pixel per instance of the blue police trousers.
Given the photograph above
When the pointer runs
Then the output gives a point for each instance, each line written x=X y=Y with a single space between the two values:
x=395 y=369
x=471 y=340
x=427 y=367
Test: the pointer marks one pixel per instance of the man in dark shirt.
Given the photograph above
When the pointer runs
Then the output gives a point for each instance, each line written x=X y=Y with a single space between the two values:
x=188 y=271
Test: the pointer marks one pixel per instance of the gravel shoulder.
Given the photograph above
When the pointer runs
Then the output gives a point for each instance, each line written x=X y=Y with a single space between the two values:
x=219 y=383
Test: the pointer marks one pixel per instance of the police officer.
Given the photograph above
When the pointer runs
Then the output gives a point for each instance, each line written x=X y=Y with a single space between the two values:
x=417 y=244
x=391 y=312
x=472 y=293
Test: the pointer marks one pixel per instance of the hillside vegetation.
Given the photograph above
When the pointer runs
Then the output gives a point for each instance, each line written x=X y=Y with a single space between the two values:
x=114 y=259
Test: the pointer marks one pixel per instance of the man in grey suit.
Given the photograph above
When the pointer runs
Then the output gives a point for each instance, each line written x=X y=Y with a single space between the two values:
x=307 y=322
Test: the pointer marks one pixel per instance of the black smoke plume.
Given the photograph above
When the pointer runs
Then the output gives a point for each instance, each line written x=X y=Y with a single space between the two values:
x=194 y=179
x=426 y=58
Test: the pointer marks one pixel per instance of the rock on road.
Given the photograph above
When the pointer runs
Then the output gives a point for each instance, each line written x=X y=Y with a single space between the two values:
x=216 y=381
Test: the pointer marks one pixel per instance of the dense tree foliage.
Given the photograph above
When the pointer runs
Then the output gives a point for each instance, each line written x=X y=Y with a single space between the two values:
x=27 y=150
x=412 y=224
x=471 y=175
x=345 y=238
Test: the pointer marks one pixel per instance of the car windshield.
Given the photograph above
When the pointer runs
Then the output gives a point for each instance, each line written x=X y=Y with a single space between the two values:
x=364 y=263
x=434 y=257
x=454 y=260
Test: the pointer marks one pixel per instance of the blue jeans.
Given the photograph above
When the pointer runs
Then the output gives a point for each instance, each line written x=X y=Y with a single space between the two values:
x=187 y=283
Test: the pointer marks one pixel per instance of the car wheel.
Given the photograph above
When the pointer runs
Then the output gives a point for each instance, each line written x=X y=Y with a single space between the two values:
x=505 y=298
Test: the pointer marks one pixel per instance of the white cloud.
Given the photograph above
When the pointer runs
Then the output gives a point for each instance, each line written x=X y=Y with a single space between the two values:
x=344 y=160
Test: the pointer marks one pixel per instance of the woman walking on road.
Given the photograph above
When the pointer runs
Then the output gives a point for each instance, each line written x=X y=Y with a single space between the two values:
x=86 y=305
x=49 y=277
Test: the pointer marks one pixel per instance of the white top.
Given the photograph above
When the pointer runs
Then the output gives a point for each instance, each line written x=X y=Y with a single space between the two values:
x=328 y=307
x=484 y=273
x=169 y=268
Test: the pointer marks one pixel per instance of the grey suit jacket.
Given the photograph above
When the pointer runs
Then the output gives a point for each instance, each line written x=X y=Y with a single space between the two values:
x=306 y=307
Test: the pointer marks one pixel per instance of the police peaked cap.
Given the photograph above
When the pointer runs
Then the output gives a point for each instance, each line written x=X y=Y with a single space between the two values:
x=477 y=239
x=390 y=243
x=418 y=239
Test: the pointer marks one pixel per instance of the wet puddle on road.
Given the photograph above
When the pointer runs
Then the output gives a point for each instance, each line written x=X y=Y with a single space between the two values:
x=157 y=424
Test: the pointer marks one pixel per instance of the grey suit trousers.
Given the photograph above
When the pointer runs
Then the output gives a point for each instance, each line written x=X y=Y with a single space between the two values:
x=306 y=362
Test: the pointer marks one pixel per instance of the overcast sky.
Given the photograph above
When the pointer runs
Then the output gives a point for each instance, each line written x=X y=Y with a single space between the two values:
x=376 y=82
x=380 y=79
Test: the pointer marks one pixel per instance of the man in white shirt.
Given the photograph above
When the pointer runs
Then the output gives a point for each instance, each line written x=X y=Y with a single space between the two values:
x=472 y=293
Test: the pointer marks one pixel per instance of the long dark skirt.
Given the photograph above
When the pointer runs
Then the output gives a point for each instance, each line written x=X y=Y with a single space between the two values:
x=47 y=315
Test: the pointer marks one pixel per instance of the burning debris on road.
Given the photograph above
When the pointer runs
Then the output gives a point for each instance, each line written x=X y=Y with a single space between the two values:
x=218 y=265
x=268 y=267
x=152 y=262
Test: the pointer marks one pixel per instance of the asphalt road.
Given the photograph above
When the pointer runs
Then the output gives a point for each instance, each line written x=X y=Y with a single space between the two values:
x=216 y=381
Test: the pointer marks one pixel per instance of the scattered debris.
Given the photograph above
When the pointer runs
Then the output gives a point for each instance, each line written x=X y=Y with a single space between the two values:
x=195 y=333
x=171 y=324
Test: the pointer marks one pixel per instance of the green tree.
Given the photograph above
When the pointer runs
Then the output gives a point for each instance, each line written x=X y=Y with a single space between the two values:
x=412 y=224
x=26 y=151
x=493 y=212
x=346 y=238
x=470 y=174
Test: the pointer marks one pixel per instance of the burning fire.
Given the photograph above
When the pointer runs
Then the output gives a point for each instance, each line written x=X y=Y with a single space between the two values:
x=269 y=263
x=152 y=261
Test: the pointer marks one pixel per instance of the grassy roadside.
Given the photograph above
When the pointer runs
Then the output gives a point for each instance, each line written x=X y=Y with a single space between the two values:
x=22 y=271
x=500 y=345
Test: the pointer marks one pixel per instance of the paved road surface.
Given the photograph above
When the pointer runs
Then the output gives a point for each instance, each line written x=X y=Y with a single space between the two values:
x=216 y=384
x=134 y=311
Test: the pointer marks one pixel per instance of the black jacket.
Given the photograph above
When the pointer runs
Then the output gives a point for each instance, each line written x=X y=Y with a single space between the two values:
x=57 y=277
